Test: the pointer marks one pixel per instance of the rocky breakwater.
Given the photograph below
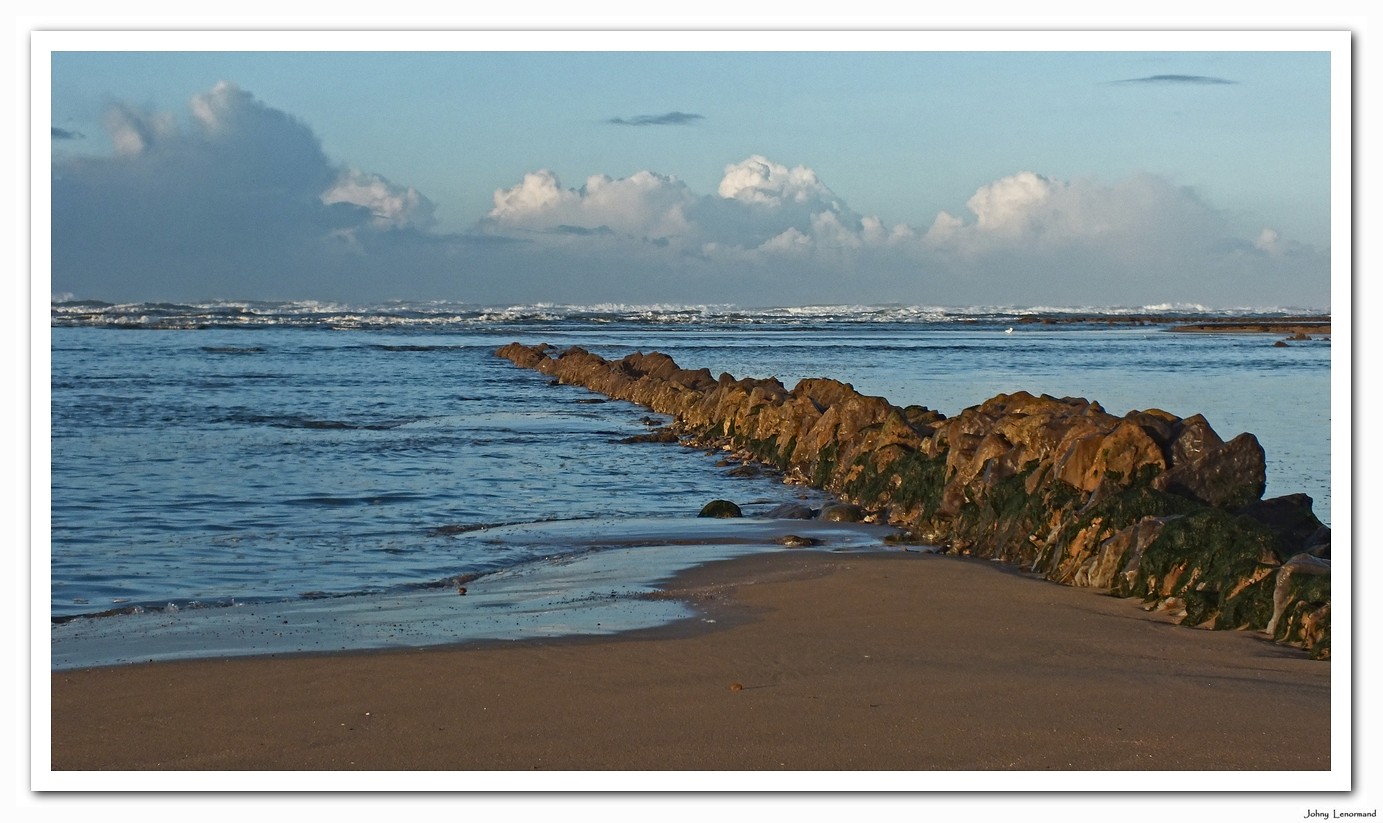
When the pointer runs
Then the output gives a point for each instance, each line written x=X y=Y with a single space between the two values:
x=1147 y=505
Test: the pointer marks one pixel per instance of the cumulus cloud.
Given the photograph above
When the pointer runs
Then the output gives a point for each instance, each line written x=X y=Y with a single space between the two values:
x=1021 y=238
x=1030 y=211
x=1178 y=79
x=390 y=205
x=672 y=118
x=643 y=205
x=760 y=180
x=236 y=199
x=759 y=205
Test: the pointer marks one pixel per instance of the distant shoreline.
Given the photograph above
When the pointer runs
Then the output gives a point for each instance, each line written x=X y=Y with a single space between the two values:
x=1292 y=326
x=1200 y=323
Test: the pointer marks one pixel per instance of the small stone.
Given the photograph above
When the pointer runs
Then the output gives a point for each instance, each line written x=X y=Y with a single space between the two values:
x=736 y=687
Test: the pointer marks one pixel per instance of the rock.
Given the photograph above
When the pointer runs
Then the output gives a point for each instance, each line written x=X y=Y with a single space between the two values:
x=790 y=511
x=663 y=435
x=1230 y=475
x=1301 y=605
x=720 y=508
x=842 y=513
x=795 y=541
x=1146 y=505
x=745 y=470
x=1294 y=525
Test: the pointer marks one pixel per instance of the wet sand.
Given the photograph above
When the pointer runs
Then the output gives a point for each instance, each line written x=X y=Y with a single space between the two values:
x=815 y=661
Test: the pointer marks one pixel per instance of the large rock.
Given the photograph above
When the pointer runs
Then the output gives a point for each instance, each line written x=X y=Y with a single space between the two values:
x=1225 y=475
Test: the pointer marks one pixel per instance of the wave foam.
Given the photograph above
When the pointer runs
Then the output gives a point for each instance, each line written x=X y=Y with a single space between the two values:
x=439 y=315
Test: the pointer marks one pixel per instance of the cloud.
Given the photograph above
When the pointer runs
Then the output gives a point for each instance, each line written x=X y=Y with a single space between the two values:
x=237 y=199
x=389 y=205
x=65 y=134
x=672 y=118
x=759 y=204
x=643 y=205
x=1023 y=239
x=1177 y=79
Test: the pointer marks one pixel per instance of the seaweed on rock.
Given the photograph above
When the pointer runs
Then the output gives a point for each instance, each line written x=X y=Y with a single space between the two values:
x=1146 y=505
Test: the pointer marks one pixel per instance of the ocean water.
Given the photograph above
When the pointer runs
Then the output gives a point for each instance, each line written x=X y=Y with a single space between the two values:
x=284 y=461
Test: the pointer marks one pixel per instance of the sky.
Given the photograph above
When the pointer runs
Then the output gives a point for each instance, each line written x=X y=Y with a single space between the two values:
x=770 y=174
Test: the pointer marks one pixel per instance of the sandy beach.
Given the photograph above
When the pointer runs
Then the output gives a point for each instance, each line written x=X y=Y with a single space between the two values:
x=815 y=661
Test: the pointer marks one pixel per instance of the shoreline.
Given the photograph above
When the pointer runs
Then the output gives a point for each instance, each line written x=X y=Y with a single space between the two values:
x=862 y=661
x=599 y=585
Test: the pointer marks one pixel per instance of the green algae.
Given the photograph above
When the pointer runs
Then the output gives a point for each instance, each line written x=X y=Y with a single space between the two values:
x=1194 y=557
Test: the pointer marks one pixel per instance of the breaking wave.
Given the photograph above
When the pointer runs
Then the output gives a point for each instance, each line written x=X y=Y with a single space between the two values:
x=443 y=315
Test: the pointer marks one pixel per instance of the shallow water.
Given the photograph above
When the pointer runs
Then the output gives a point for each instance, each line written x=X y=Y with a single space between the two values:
x=210 y=459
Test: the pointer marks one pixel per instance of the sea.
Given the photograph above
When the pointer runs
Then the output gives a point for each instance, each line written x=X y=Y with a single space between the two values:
x=254 y=478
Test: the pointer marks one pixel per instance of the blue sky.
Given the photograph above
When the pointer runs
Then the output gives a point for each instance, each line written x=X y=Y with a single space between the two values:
x=1044 y=177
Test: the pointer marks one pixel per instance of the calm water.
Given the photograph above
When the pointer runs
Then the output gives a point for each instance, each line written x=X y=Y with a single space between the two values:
x=209 y=456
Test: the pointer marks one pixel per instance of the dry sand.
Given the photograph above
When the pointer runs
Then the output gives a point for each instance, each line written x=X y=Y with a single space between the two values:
x=846 y=661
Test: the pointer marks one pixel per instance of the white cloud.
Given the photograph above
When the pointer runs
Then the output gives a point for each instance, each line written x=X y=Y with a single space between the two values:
x=390 y=205
x=218 y=110
x=240 y=201
x=1012 y=205
x=1030 y=212
x=759 y=180
x=791 y=241
x=1269 y=242
x=644 y=205
x=759 y=205
x=133 y=131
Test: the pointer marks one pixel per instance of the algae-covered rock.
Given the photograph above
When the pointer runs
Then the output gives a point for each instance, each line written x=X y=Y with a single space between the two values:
x=790 y=511
x=842 y=513
x=1301 y=605
x=1148 y=505
x=720 y=508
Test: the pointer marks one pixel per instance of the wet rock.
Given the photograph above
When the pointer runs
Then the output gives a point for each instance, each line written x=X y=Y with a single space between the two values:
x=1301 y=605
x=1146 y=505
x=720 y=508
x=663 y=435
x=1295 y=526
x=842 y=513
x=790 y=511
x=1227 y=475
x=796 y=541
